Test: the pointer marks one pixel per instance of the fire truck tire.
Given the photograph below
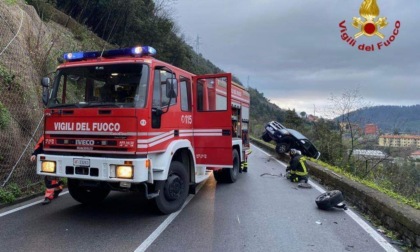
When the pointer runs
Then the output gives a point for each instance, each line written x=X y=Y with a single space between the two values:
x=174 y=190
x=228 y=175
x=329 y=199
x=232 y=173
x=86 y=195
x=219 y=176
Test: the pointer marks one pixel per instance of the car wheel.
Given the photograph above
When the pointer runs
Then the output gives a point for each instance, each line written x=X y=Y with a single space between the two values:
x=282 y=148
x=266 y=137
x=329 y=199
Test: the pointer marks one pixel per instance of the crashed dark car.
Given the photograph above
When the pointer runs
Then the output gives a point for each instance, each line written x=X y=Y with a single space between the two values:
x=287 y=139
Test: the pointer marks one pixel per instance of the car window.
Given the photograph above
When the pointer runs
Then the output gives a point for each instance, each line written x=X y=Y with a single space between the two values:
x=297 y=134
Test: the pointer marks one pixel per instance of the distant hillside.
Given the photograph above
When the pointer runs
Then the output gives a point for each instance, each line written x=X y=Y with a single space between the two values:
x=390 y=119
x=262 y=111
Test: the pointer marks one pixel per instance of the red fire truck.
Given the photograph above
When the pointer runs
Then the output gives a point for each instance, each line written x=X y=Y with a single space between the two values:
x=123 y=120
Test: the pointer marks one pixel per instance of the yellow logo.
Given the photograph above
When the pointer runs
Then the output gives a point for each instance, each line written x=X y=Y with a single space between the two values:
x=369 y=25
x=369 y=10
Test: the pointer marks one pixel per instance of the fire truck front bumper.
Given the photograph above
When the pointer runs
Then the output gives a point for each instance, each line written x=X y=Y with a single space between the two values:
x=95 y=168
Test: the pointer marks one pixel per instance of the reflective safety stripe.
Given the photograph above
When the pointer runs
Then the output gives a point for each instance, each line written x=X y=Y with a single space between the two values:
x=244 y=165
x=302 y=164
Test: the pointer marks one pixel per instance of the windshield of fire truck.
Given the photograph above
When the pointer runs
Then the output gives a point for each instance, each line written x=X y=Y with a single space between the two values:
x=111 y=85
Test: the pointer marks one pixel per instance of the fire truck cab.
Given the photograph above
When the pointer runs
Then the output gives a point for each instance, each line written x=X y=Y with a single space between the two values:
x=123 y=120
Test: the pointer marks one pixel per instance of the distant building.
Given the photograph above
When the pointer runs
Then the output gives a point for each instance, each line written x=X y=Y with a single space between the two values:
x=312 y=118
x=369 y=154
x=415 y=155
x=371 y=129
x=354 y=128
x=399 y=141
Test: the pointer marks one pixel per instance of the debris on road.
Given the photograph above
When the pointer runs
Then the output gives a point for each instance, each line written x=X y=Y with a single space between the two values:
x=305 y=185
x=330 y=199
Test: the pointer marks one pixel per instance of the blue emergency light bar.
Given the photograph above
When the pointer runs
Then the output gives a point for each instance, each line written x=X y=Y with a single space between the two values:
x=134 y=51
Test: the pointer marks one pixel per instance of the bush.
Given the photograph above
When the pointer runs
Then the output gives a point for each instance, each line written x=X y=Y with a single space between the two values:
x=6 y=196
x=14 y=189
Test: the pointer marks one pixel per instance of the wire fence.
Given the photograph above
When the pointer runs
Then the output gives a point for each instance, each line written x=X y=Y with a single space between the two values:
x=20 y=107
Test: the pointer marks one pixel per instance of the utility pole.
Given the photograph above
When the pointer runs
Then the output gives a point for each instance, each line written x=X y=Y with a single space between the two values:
x=247 y=82
x=197 y=45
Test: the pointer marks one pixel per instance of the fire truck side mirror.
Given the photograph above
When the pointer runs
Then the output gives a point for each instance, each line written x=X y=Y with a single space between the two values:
x=156 y=117
x=171 y=87
x=45 y=82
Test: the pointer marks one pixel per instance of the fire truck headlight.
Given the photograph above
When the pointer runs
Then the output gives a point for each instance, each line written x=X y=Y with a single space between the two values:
x=124 y=171
x=48 y=166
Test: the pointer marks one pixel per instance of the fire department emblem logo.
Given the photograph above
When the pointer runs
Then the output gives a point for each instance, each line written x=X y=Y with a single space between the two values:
x=367 y=23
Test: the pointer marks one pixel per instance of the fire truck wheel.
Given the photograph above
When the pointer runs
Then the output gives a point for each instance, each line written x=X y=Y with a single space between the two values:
x=219 y=176
x=229 y=175
x=232 y=174
x=174 y=190
x=86 y=195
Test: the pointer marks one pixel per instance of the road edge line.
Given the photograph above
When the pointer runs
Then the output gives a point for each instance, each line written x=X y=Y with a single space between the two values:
x=26 y=206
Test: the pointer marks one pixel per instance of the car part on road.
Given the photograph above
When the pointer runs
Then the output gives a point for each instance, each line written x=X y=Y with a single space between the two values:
x=330 y=199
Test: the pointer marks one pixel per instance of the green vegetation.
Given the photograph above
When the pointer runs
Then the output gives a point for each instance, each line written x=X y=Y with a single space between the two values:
x=6 y=77
x=388 y=191
x=11 y=2
x=9 y=193
x=4 y=117
x=6 y=196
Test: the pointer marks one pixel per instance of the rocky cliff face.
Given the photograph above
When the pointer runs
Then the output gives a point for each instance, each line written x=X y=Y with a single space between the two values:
x=29 y=48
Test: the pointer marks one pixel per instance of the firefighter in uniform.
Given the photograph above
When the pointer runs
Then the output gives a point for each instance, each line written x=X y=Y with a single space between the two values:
x=297 y=170
x=53 y=184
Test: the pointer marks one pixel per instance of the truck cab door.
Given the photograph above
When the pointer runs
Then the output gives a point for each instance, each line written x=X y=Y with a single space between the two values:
x=212 y=126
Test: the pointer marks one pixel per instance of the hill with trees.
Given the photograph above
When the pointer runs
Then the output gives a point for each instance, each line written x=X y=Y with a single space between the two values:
x=391 y=119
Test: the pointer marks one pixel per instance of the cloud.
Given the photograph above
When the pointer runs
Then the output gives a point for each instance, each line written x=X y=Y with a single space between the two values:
x=292 y=51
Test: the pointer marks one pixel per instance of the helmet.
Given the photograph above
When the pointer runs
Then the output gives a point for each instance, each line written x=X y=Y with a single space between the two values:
x=294 y=152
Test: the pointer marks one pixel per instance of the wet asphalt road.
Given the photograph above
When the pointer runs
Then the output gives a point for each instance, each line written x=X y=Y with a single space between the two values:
x=262 y=211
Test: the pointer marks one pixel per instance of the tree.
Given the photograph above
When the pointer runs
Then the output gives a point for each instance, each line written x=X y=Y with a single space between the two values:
x=346 y=110
x=327 y=140
x=292 y=119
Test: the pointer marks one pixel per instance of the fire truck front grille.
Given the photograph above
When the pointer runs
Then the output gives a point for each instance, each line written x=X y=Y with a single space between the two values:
x=92 y=143
x=91 y=171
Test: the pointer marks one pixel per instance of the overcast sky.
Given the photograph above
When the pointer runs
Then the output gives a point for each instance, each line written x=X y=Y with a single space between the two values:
x=292 y=51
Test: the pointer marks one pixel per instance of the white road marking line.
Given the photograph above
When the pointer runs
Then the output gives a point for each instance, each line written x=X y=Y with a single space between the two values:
x=372 y=232
x=26 y=206
x=237 y=216
x=159 y=230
